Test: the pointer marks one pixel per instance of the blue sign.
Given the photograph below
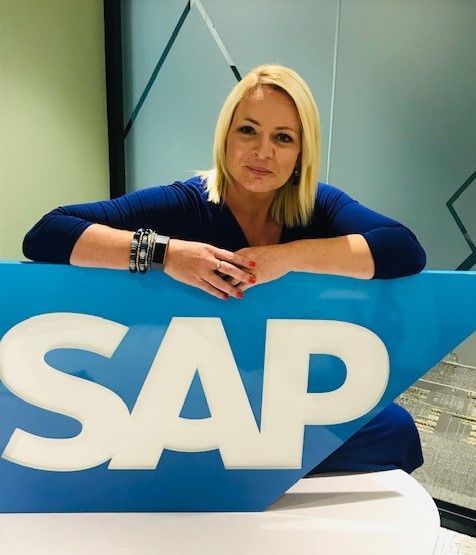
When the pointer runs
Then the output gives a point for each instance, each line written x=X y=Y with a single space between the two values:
x=138 y=393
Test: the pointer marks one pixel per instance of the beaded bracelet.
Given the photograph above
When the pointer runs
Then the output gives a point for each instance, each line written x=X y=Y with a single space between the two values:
x=133 y=255
x=147 y=249
x=138 y=249
x=143 y=251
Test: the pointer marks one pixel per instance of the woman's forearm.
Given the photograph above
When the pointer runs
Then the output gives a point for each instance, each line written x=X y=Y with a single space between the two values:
x=100 y=246
x=349 y=255
x=187 y=261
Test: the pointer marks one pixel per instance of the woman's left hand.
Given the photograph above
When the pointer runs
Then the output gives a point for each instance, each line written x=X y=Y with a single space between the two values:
x=272 y=262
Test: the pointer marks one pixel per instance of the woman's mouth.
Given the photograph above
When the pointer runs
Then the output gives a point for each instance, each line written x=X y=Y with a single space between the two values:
x=259 y=171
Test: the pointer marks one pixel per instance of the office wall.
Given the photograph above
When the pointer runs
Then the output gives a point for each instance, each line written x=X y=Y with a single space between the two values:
x=395 y=81
x=53 y=134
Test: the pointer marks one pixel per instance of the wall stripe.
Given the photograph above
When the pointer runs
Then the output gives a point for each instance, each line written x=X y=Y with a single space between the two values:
x=334 y=78
x=214 y=33
x=161 y=61
x=471 y=260
x=153 y=77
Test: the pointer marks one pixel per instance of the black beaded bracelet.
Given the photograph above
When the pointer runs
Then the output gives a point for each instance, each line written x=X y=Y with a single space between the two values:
x=138 y=249
x=134 y=247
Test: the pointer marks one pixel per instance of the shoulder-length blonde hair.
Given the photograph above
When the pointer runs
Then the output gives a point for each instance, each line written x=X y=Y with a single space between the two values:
x=293 y=204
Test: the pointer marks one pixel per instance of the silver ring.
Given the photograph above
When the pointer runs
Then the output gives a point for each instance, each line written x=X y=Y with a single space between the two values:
x=217 y=266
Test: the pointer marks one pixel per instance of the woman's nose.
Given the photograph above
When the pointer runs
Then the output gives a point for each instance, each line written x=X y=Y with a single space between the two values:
x=263 y=147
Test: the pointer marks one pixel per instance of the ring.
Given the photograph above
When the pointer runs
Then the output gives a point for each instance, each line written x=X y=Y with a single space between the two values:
x=217 y=266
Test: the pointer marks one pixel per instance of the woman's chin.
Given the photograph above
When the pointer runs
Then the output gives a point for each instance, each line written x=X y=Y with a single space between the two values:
x=259 y=185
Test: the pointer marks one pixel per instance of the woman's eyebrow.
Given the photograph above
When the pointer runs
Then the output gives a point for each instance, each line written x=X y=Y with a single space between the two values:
x=280 y=127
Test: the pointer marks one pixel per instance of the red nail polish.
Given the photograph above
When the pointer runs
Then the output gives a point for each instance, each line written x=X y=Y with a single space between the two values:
x=240 y=295
x=252 y=279
x=252 y=264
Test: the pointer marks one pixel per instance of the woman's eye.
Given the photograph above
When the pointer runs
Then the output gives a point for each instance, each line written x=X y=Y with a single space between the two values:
x=246 y=130
x=284 y=138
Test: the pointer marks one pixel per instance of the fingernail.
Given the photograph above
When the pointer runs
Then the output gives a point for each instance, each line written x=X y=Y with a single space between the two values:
x=252 y=264
x=240 y=295
x=252 y=279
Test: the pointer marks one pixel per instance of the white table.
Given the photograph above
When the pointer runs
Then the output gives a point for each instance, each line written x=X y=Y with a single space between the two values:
x=372 y=513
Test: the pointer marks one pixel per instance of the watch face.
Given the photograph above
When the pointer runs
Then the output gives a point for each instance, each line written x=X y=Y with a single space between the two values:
x=161 y=243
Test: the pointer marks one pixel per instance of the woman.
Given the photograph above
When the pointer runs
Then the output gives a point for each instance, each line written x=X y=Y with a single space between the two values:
x=252 y=219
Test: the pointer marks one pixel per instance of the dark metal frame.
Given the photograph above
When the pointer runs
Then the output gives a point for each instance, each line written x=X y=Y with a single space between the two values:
x=459 y=519
x=114 y=87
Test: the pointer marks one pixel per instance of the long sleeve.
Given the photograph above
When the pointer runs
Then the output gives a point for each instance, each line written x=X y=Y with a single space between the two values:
x=170 y=210
x=395 y=249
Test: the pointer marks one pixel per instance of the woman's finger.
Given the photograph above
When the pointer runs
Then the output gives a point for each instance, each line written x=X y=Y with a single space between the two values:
x=205 y=286
x=219 y=283
x=236 y=273
x=242 y=286
x=235 y=258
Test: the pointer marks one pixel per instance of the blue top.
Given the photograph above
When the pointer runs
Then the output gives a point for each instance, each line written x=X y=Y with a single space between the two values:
x=183 y=211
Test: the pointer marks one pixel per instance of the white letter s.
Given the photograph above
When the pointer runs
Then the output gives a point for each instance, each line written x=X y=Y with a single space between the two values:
x=23 y=370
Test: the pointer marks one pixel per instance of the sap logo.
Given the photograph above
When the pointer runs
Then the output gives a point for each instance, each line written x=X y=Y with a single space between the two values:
x=136 y=440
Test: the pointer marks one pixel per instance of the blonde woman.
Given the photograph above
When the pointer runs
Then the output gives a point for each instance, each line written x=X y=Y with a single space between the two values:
x=256 y=216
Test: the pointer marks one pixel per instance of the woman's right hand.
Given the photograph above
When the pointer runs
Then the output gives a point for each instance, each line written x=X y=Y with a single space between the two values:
x=208 y=267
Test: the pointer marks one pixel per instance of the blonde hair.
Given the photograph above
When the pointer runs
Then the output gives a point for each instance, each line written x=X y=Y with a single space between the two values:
x=292 y=204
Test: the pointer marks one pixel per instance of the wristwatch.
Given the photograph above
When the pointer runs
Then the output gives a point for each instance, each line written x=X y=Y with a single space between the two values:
x=161 y=243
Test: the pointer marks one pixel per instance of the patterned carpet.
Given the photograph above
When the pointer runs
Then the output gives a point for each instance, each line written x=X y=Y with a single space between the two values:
x=443 y=404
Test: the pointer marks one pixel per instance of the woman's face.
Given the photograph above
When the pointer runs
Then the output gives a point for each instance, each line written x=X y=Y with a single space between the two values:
x=264 y=141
